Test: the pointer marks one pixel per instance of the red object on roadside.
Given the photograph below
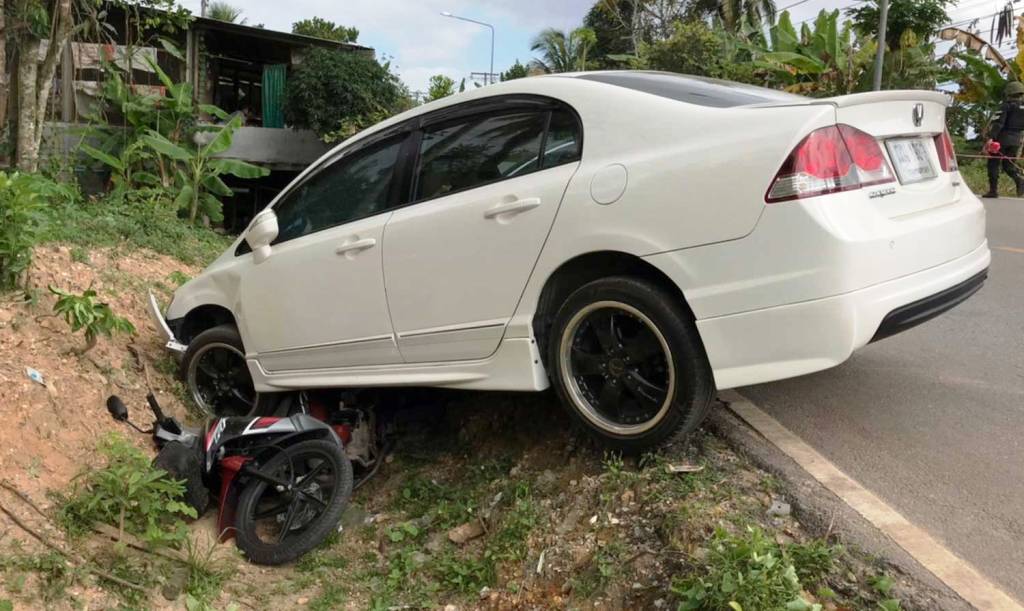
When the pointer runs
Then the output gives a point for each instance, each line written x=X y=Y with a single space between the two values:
x=992 y=147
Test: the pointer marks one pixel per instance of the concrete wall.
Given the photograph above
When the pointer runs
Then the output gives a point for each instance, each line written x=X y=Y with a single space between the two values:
x=278 y=149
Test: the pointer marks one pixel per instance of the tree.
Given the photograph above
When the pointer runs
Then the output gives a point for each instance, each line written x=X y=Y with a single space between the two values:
x=322 y=28
x=923 y=17
x=336 y=93
x=3 y=74
x=561 y=52
x=516 y=70
x=692 y=49
x=33 y=21
x=441 y=86
x=222 y=11
x=735 y=14
x=613 y=37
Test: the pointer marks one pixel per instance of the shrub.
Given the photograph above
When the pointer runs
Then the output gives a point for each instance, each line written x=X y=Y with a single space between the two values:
x=23 y=201
x=337 y=93
x=84 y=312
x=129 y=493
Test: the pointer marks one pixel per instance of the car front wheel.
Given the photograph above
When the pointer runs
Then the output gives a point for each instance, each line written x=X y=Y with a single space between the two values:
x=216 y=374
x=629 y=364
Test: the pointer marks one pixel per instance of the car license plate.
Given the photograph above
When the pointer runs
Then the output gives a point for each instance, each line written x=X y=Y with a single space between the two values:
x=910 y=158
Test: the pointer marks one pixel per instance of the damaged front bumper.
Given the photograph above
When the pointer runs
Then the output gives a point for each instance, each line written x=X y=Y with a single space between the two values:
x=161 y=324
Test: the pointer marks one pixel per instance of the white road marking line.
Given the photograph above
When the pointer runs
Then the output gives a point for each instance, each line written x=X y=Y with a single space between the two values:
x=953 y=571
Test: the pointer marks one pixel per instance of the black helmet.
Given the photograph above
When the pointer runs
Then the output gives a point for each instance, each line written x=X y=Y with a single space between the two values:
x=1014 y=89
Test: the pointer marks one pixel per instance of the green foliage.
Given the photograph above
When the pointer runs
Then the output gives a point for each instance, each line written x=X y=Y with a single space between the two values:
x=609 y=22
x=823 y=60
x=922 y=17
x=693 y=48
x=337 y=93
x=198 y=181
x=127 y=492
x=155 y=155
x=561 y=52
x=516 y=70
x=22 y=219
x=84 y=312
x=222 y=11
x=322 y=28
x=746 y=571
x=440 y=86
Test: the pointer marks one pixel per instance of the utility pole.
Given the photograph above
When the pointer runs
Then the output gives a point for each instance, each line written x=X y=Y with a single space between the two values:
x=883 y=18
x=202 y=8
x=490 y=75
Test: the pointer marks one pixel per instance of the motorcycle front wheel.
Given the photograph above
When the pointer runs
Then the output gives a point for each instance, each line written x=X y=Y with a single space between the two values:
x=278 y=523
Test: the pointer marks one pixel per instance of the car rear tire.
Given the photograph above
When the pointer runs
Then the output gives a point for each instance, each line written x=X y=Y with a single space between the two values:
x=627 y=361
x=217 y=376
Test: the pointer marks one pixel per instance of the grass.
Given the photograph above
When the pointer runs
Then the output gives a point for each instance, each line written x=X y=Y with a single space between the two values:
x=975 y=175
x=136 y=223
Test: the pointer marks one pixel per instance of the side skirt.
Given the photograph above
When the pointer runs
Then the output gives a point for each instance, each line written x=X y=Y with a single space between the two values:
x=516 y=365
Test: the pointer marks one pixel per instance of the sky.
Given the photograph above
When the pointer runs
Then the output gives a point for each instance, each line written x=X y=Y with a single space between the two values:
x=421 y=42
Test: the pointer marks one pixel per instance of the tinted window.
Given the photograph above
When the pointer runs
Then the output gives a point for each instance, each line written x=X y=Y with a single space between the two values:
x=563 y=142
x=695 y=89
x=478 y=150
x=354 y=187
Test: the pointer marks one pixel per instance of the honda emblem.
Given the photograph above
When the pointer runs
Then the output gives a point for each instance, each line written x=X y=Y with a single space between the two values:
x=918 y=114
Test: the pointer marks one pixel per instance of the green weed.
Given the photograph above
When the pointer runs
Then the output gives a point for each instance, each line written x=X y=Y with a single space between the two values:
x=129 y=493
x=83 y=312
x=745 y=571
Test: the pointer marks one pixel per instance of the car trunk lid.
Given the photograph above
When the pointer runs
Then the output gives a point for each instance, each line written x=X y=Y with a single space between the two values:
x=906 y=124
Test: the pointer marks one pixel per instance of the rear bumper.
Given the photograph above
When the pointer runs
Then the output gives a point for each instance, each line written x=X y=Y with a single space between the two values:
x=923 y=310
x=781 y=342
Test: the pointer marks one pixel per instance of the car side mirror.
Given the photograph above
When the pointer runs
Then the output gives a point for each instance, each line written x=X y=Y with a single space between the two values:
x=261 y=233
x=118 y=410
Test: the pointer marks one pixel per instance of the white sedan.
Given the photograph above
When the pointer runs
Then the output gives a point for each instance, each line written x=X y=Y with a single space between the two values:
x=635 y=239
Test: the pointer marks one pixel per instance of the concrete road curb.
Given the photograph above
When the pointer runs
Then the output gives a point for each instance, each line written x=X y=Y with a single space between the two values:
x=821 y=511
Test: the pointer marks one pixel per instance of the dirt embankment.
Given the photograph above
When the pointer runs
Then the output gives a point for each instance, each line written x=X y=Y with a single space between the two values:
x=50 y=431
x=552 y=522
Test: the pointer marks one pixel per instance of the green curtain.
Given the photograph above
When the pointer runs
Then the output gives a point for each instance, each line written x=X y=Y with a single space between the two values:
x=274 y=76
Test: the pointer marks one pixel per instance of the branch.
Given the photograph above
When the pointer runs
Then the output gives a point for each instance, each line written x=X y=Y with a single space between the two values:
x=67 y=556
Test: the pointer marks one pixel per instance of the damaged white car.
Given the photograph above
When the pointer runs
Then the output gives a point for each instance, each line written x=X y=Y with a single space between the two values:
x=634 y=239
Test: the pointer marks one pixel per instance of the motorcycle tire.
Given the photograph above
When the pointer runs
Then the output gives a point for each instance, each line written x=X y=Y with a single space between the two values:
x=293 y=540
x=182 y=462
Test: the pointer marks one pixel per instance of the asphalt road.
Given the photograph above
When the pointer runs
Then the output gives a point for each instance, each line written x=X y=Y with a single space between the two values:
x=932 y=420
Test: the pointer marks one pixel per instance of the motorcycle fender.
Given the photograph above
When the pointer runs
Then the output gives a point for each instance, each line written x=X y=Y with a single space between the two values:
x=229 y=468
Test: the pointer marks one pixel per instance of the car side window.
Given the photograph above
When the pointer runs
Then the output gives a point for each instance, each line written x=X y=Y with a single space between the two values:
x=563 y=141
x=355 y=186
x=478 y=150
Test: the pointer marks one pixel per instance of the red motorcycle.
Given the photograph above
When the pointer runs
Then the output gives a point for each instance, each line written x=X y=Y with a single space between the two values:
x=282 y=482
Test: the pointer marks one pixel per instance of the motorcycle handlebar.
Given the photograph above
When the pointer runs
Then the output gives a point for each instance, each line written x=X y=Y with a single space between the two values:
x=153 y=405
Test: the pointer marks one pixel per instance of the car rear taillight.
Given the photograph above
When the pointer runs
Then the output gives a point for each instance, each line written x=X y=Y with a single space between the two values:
x=947 y=157
x=831 y=159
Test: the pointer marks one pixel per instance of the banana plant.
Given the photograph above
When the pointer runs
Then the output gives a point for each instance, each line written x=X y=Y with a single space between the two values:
x=199 y=170
x=823 y=60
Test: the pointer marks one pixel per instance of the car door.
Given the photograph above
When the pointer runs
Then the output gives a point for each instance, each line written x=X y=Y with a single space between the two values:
x=318 y=301
x=485 y=191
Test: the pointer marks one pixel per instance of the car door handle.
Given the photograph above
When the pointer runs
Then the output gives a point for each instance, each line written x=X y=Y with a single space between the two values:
x=354 y=247
x=520 y=205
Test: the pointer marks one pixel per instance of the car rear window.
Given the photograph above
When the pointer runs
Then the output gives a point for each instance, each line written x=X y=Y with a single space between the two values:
x=695 y=89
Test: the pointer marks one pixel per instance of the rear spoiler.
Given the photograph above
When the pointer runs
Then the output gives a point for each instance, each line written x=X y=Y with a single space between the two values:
x=897 y=95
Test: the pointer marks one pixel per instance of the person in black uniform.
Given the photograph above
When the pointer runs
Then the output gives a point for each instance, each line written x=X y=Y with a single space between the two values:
x=1007 y=128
